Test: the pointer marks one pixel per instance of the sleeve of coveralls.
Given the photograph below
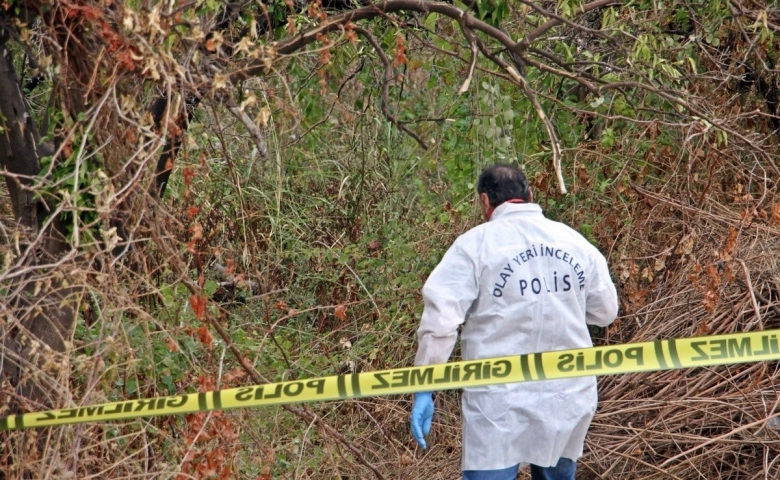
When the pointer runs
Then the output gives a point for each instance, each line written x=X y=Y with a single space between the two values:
x=601 y=304
x=448 y=294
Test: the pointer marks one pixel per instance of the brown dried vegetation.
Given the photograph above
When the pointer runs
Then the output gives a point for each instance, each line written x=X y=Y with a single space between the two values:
x=294 y=243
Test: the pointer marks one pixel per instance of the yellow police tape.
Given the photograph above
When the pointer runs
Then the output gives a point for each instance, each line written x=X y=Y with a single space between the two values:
x=607 y=360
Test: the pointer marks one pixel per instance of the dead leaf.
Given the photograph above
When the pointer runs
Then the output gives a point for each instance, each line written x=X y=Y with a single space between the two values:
x=291 y=27
x=263 y=116
x=243 y=46
x=660 y=263
x=249 y=101
x=628 y=269
x=172 y=345
x=710 y=300
x=232 y=376
x=647 y=274
x=198 y=304
x=204 y=336
x=540 y=181
x=213 y=43
x=220 y=81
x=196 y=233
x=341 y=312
x=192 y=211
x=583 y=176
x=400 y=52
x=685 y=246
x=703 y=328
x=776 y=214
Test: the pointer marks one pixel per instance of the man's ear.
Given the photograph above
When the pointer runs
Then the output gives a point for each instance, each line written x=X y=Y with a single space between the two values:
x=530 y=195
x=485 y=201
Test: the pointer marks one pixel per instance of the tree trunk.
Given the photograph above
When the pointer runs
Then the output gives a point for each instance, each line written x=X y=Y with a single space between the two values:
x=18 y=143
x=42 y=313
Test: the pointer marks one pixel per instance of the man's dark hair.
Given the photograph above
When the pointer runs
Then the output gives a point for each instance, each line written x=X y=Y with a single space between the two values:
x=503 y=182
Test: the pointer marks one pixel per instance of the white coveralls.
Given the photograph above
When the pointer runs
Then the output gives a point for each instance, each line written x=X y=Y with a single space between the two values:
x=522 y=284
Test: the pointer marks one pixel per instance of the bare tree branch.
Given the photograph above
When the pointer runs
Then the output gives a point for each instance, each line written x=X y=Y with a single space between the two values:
x=474 y=50
x=252 y=128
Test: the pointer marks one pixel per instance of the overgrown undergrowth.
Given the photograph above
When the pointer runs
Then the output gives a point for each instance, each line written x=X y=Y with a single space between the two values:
x=308 y=260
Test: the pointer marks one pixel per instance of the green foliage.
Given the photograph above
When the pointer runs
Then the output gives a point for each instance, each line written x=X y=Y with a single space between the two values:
x=78 y=185
x=493 y=12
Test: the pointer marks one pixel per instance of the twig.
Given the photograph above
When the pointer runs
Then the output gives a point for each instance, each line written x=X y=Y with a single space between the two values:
x=254 y=130
x=371 y=297
x=750 y=290
x=697 y=112
x=473 y=63
x=577 y=77
x=766 y=302
x=679 y=205
x=325 y=117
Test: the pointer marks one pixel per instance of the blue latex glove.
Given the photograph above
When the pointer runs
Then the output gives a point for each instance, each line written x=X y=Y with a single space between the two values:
x=422 y=415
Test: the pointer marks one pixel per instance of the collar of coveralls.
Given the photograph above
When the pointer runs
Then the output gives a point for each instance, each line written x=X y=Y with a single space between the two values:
x=490 y=211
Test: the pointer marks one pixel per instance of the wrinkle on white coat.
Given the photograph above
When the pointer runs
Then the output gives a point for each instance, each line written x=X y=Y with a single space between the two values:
x=522 y=284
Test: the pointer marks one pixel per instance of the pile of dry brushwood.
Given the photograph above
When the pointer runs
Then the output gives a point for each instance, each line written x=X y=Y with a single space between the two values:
x=703 y=260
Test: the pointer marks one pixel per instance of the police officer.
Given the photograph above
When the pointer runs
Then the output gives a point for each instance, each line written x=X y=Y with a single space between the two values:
x=522 y=284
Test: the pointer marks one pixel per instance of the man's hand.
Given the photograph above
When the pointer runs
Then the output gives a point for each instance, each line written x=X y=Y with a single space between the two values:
x=422 y=415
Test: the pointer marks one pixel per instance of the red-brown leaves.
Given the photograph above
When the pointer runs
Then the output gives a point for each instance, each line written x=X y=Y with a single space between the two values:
x=349 y=33
x=400 y=51
x=775 y=215
x=291 y=28
x=208 y=458
x=204 y=336
x=540 y=182
x=125 y=59
x=234 y=377
x=198 y=304
x=171 y=345
x=214 y=41
x=728 y=250
x=315 y=10
x=188 y=174
x=325 y=54
x=192 y=211
x=196 y=233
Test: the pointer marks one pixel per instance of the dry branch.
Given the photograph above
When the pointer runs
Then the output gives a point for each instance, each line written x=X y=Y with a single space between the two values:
x=253 y=129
